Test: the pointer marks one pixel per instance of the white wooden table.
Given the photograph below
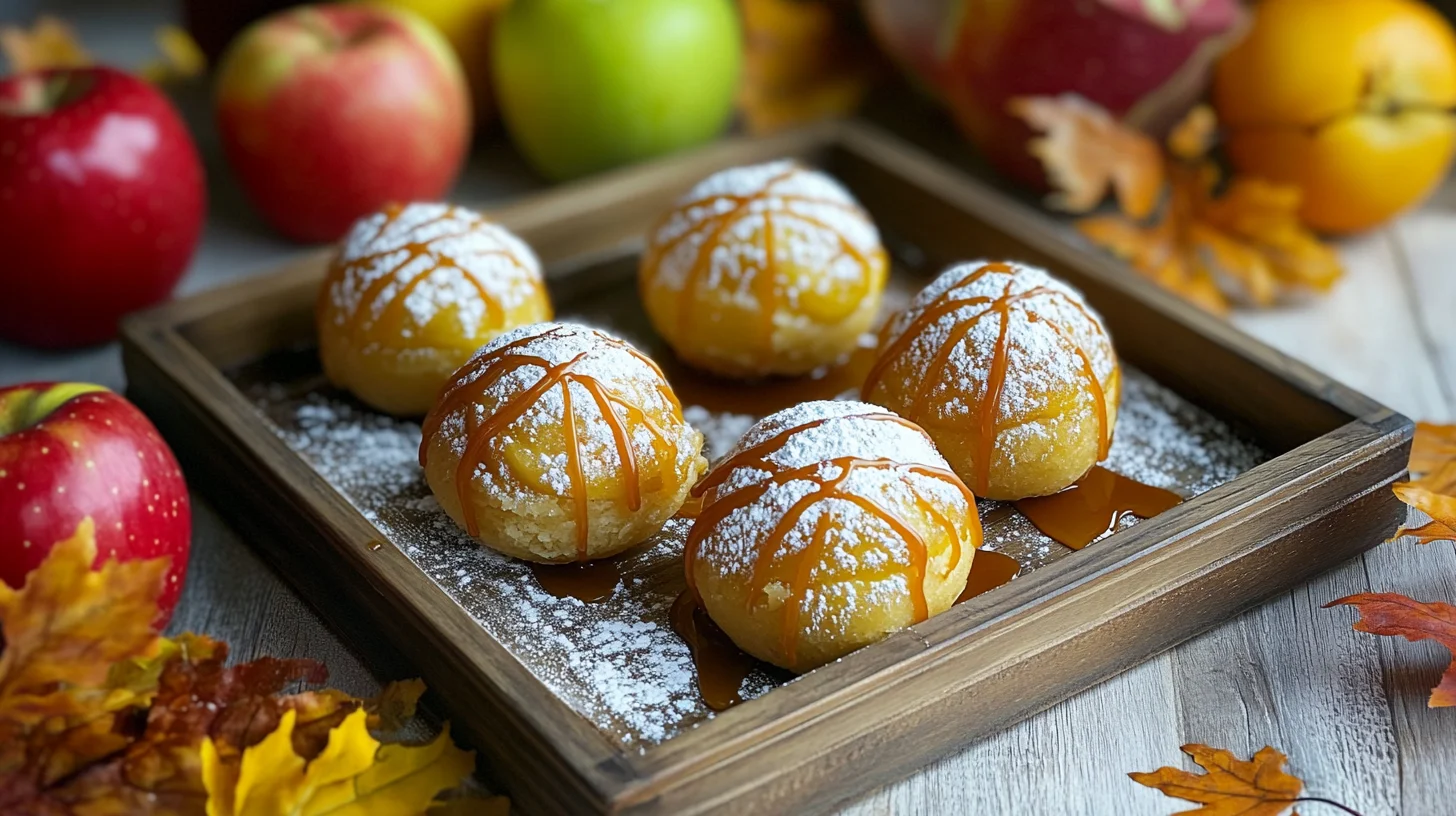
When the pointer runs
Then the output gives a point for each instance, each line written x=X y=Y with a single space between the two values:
x=1349 y=708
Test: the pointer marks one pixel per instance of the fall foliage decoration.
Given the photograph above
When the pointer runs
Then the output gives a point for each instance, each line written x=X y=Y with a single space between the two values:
x=1433 y=455
x=1214 y=241
x=804 y=60
x=1433 y=492
x=1231 y=786
x=1385 y=613
x=52 y=43
x=99 y=714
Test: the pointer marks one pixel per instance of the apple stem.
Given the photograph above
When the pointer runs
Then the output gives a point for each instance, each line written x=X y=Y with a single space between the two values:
x=38 y=93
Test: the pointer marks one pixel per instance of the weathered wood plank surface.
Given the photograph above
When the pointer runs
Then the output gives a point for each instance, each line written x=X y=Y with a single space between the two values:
x=1349 y=708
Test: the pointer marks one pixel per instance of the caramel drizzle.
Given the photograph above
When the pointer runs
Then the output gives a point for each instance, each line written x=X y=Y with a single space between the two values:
x=800 y=565
x=763 y=286
x=479 y=434
x=989 y=407
x=414 y=250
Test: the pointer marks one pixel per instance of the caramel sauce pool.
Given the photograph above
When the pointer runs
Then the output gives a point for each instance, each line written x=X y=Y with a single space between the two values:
x=586 y=581
x=1094 y=506
x=766 y=396
x=988 y=571
x=722 y=666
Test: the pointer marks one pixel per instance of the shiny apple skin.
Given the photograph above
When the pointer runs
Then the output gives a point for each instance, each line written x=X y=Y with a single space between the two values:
x=330 y=112
x=102 y=201
x=94 y=454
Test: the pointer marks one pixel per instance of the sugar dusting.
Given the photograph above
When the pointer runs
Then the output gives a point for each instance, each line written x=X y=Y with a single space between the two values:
x=862 y=543
x=1046 y=319
x=817 y=220
x=467 y=261
x=618 y=663
x=589 y=353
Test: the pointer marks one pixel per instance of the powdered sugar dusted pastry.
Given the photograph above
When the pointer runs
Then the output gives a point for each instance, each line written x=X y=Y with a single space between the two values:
x=1009 y=371
x=830 y=525
x=413 y=292
x=559 y=443
x=769 y=269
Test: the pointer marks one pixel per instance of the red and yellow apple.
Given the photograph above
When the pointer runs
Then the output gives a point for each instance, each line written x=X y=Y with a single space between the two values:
x=329 y=112
x=1349 y=100
x=101 y=203
x=1144 y=60
x=72 y=450
x=466 y=24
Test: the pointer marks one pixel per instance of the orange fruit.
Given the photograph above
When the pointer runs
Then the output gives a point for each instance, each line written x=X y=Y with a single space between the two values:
x=1350 y=100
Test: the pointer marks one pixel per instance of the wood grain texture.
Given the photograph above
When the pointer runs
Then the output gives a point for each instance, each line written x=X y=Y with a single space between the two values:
x=889 y=708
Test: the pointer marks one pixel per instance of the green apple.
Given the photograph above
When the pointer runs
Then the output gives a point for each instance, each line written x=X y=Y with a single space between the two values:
x=584 y=85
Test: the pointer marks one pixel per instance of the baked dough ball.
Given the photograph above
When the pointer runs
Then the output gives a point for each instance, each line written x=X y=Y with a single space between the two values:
x=829 y=525
x=1009 y=371
x=413 y=292
x=769 y=269
x=559 y=443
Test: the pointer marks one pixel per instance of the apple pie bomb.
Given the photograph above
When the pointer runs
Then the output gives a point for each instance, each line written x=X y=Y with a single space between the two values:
x=828 y=526
x=559 y=443
x=1009 y=371
x=412 y=292
x=771 y=269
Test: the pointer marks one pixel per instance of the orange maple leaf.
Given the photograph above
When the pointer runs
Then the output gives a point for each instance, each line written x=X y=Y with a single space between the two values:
x=804 y=60
x=1088 y=154
x=1231 y=786
x=1211 y=242
x=1441 y=508
x=1433 y=456
x=1387 y=613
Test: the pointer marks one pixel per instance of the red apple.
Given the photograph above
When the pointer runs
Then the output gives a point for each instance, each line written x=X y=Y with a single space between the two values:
x=1145 y=60
x=72 y=450
x=101 y=203
x=330 y=112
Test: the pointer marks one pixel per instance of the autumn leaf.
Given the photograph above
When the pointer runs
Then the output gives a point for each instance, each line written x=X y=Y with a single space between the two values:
x=67 y=625
x=1211 y=241
x=1230 y=786
x=1387 y=613
x=1088 y=154
x=1433 y=457
x=50 y=43
x=1441 y=508
x=804 y=60
x=353 y=775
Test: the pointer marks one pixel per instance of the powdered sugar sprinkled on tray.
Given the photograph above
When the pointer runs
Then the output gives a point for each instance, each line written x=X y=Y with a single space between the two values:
x=618 y=663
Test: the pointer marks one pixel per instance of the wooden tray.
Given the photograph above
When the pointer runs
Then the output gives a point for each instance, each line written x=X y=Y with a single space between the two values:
x=887 y=709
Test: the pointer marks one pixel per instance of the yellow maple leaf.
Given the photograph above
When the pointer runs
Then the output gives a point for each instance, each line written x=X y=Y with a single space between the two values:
x=353 y=776
x=68 y=624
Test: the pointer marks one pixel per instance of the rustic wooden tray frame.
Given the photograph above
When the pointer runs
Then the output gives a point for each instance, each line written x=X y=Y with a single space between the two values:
x=886 y=709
